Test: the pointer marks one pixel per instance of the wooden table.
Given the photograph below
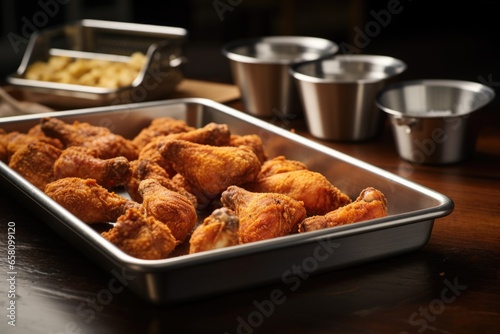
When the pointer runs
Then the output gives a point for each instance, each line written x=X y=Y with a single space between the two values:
x=452 y=285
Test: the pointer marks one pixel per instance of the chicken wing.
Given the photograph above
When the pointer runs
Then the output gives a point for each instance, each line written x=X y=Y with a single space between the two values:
x=312 y=188
x=169 y=207
x=218 y=230
x=35 y=162
x=107 y=144
x=160 y=127
x=370 y=204
x=88 y=200
x=263 y=215
x=82 y=162
x=140 y=236
x=211 y=169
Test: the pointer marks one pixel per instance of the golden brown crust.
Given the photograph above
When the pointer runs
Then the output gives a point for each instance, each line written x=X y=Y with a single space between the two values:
x=253 y=141
x=140 y=236
x=314 y=189
x=107 y=144
x=218 y=230
x=370 y=204
x=35 y=162
x=280 y=164
x=88 y=200
x=169 y=207
x=211 y=169
x=83 y=162
x=263 y=215
x=160 y=127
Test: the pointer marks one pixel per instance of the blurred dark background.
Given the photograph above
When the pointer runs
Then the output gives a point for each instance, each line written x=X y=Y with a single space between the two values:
x=437 y=39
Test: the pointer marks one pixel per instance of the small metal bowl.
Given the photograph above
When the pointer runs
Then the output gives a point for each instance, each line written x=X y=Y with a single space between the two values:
x=435 y=121
x=260 y=68
x=338 y=94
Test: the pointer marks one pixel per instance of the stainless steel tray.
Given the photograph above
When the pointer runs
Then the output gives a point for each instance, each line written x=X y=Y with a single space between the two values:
x=412 y=211
x=98 y=39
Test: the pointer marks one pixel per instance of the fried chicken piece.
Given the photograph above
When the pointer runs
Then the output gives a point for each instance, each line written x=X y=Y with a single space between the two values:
x=211 y=134
x=280 y=164
x=263 y=215
x=88 y=200
x=140 y=236
x=150 y=153
x=201 y=201
x=4 y=156
x=107 y=144
x=35 y=162
x=160 y=127
x=82 y=162
x=169 y=207
x=218 y=230
x=145 y=169
x=253 y=141
x=14 y=140
x=370 y=204
x=211 y=169
x=312 y=188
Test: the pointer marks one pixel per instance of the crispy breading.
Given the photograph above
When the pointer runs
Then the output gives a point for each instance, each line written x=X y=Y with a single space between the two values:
x=370 y=204
x=263 y=215
x=140 y=236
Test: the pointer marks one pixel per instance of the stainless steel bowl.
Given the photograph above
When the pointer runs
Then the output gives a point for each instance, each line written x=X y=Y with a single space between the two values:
x=338 y=94
x=435 y=121
x=260 y=68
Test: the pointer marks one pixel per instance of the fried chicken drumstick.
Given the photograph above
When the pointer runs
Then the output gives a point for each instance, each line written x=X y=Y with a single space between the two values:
x=370 y=204
x=314 y=189
x=212 y=134
x=211 y=169
x=263 y=215
x=145 y=169
x=169 y=207
x=83 y=162
x=218 y=230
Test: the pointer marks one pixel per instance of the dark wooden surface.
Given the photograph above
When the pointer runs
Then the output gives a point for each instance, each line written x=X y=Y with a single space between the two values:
x=452 y=285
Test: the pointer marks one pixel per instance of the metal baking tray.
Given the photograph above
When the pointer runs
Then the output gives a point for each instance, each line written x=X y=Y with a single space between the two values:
x=412 y=211
x=110 y=40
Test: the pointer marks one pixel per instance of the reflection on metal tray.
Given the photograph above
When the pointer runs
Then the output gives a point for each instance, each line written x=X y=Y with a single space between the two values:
x=96 y=39
x=407 y=228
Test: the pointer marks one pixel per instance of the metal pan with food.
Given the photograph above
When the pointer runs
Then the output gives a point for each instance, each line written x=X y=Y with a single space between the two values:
x=92 y=63
x=264 y=233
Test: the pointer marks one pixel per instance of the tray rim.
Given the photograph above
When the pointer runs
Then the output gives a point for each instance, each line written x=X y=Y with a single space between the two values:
x=114 y=254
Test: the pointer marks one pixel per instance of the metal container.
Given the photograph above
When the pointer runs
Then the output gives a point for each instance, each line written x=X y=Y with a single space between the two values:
x=184 y=277
x=435 y=121
x=109 y=40
x=260 y=68
x=338 y=94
